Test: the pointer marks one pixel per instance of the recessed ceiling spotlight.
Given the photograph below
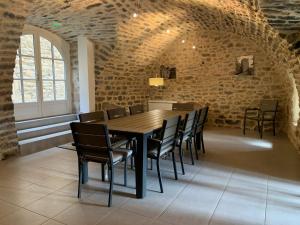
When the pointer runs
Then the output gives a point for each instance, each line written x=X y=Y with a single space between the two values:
x=168 y=31
x=183 y=41
x=135 y=15
x=194 y=46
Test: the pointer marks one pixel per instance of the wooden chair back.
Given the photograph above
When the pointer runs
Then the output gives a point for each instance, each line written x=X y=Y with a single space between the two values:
x=189 y=123
x=92 y=117
x=169 y=133
x=92 y=141
x=136 y=109
x=183 y=106
x=269 y=105
x=116 y=113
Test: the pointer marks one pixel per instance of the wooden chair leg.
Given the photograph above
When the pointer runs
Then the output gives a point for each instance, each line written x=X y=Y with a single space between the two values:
x=79 y=179
x=181 y=157
x=125 y=173
x=159 y=176
x=111 y=183
x=103 y=172
x=174 y=165
x=273 y=127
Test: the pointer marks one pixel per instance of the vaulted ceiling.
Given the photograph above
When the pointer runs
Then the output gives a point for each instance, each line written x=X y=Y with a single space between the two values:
x=161 y=20
x=284 y=15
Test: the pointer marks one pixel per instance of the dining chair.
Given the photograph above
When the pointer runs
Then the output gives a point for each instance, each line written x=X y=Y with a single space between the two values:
x=116 y=113
x=120 y=112
x=199 y=128
x=93 y=144
x=164 y=144
x=136 y=109
x=265 y=113
x=186 y=134
x=92 y=117
x=183 y=106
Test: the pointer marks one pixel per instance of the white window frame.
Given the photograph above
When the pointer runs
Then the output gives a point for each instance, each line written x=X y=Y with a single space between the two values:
x=25 y=111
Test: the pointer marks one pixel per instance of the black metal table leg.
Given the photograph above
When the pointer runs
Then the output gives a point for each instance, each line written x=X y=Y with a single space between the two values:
x=141 y=165
x=85 y=173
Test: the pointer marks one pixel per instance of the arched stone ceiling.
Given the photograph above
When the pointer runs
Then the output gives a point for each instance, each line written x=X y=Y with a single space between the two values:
x=285 y=17
x=104 y=20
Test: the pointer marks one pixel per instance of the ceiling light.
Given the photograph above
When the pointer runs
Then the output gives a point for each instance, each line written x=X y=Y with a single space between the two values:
x=194 y=46
x=135 y=15
x=168 y=31
x=183 y=41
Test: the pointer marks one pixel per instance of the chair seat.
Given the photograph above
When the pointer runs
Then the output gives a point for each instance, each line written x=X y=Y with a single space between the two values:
x=126 y=153
x=116 y=156
x=153 y=150
x=255 y=117
x=118 y=141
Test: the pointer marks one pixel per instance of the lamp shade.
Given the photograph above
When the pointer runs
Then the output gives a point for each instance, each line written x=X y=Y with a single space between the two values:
x=156 y=81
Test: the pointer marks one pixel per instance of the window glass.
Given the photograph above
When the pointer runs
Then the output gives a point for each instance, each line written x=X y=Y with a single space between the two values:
x=17 y=92
x=56 y=53
x=51 y=66
x=48 y=91
x=59 y=69
x=27 y=45
x=47 y=71
x=29 y=90
x=60 y=90
x=28 y=67
x=17 y=68
x=45 y=48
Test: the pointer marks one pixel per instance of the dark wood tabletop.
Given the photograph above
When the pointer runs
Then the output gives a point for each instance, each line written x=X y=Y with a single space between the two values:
x=144 y=122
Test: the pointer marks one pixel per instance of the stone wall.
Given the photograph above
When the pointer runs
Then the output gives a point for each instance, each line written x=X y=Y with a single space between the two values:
x=12 y=18
x=206 y=75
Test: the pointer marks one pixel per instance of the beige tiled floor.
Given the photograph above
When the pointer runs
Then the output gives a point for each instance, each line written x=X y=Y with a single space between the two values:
x=241 y=180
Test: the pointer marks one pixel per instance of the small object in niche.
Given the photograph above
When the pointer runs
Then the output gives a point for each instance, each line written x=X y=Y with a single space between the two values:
x=167 y=72
x=245 y=65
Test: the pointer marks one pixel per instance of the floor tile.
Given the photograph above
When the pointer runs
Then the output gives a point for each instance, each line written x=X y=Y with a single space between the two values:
x=83 y=214
x=51 y=205
x=23 y=217
x=122 y=217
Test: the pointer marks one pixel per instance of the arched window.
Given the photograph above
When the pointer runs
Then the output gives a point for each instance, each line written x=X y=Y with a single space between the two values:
x=41 y=75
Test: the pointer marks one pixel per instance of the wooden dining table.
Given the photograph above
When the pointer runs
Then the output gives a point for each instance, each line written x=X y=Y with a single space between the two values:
x=140 y=126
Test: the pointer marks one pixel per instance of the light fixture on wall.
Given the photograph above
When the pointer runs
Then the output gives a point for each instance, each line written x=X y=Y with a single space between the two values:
x=194 y=47
x=156 y=81
x=182 y=41
x=138 y=8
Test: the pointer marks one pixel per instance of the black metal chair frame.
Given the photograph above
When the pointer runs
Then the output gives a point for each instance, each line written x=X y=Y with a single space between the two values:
x=199 y=128
x=93 y=144
x=186 y=134
x=98 y=116
x=165 y=144
x=119 y=113
x=261 y=115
